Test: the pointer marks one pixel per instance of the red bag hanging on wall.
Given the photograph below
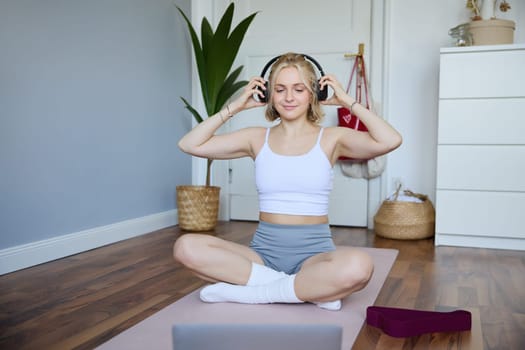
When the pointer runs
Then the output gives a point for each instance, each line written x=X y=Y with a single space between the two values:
x=345 y=117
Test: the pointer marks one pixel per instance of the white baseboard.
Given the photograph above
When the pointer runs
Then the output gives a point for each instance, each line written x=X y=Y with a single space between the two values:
x=31 y=254
x=480 y=241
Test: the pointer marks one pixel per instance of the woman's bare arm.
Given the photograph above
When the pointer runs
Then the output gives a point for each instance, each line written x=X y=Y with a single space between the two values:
x=381 y=137
x=202 y=141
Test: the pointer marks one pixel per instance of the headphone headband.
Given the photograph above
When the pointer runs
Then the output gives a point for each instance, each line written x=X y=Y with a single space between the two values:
x=321 y=94
x=309 y=58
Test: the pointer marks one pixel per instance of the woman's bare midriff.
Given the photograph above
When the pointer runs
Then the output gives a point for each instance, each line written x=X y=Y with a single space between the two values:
x=285 y=219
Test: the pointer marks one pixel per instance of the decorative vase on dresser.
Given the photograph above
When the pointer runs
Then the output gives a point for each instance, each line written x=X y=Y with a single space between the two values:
x=480 y=190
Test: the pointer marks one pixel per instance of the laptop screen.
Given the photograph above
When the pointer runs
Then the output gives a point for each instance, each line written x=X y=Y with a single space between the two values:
x=256 y=336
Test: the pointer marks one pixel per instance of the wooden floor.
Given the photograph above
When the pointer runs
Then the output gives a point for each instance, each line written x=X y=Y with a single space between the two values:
x=82 y=301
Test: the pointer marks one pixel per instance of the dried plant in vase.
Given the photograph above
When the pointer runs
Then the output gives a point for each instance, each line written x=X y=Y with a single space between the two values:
x=485 y=28
x=486 y=9
x=504 y=6
x=474 y=6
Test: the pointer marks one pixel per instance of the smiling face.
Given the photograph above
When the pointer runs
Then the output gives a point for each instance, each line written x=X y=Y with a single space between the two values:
x=292 y=83
x=290 y=96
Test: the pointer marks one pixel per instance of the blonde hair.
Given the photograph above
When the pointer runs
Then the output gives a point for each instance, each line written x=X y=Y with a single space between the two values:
x=310 y=80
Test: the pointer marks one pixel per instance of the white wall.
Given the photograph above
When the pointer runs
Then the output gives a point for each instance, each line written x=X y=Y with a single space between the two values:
x=414 y=32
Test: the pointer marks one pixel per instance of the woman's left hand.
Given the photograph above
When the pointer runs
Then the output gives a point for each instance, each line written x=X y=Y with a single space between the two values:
x=339 y=97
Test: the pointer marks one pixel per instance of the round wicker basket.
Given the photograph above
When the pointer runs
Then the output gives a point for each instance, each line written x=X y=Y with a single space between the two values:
x=405 y=220
x=198 y=207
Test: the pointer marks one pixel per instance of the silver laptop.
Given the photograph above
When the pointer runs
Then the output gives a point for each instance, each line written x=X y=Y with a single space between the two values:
x=256 y=337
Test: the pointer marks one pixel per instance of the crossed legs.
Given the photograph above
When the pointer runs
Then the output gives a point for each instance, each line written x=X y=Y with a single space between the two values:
x=323 y=278
x=333 y=275
x=214 y=259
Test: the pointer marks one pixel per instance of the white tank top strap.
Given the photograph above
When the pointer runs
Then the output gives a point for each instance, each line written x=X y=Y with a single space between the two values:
x=267 y=135
x=319 y=137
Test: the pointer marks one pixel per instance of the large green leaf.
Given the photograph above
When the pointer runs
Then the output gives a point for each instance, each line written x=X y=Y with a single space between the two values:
x=224 y=50
x=233 y=77
x=199 y=57
x=225 y=23
x=206 y=38
x=193 y=111
x=214 y=56
x=228 y=91
x=215 y=59
x=206 y=35
x=230 y=87
x=235 y=39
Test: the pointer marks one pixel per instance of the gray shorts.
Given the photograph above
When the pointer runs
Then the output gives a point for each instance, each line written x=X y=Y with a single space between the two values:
x=286 y=247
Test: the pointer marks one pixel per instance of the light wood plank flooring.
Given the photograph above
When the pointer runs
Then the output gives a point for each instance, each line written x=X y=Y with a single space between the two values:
x=82 y=301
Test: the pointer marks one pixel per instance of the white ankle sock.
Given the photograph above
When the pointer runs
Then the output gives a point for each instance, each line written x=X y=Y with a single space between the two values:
x=280 y=291
x=261 y=274
x=330 y=305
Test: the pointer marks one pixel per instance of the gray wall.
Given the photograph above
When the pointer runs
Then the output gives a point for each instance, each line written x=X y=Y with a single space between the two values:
x=90 y=113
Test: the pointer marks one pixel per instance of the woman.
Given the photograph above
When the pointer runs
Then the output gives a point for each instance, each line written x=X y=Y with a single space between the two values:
x=292 y=258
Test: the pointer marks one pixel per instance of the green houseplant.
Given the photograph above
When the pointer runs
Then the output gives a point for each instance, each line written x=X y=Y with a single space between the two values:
x=214 y=54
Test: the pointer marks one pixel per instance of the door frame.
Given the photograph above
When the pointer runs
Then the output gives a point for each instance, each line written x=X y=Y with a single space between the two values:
x=378 y=51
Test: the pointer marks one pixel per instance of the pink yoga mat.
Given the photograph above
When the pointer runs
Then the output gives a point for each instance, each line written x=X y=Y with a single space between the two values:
x=154 y=333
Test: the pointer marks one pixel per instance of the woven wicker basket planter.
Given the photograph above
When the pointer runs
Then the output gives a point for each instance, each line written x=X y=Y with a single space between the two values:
x=198 y=207
x=405 y=220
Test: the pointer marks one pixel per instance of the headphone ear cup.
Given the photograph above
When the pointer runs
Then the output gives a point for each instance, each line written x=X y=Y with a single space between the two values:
x=322 y=94
x=264 y=97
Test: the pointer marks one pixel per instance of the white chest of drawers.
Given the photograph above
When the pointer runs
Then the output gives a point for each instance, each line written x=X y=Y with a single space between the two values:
x=480 y=189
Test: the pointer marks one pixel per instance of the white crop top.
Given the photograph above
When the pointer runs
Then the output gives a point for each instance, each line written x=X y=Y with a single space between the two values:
x=294 y=185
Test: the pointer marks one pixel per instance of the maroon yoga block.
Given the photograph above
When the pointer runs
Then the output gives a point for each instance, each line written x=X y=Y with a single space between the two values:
x=408 y=323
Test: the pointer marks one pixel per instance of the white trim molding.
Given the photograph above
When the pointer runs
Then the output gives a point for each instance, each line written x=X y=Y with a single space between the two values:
x=471 y=241
x=34 y=253
x=378 y=86
x=199 y=9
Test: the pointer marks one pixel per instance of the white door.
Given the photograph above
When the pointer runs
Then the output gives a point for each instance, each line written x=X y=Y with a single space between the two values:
x=326 y=30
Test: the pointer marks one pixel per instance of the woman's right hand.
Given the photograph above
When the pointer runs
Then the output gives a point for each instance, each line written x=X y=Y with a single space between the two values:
x=246 y=100
x=340 y=97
